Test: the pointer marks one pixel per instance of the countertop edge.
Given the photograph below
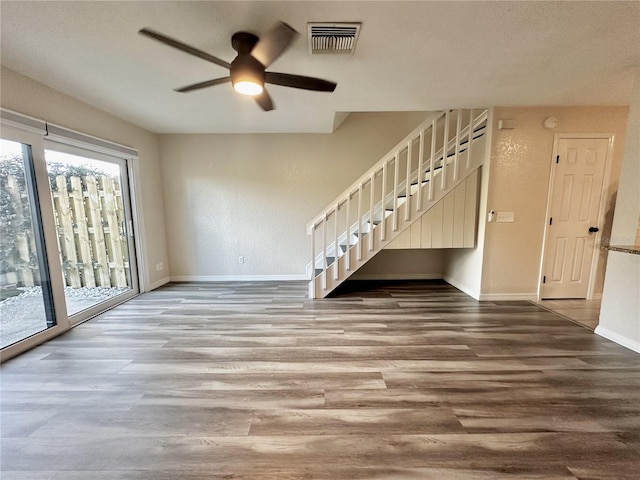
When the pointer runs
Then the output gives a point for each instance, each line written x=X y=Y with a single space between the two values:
x=632 y=249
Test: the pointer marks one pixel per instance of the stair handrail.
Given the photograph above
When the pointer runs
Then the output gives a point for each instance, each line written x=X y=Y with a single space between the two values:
x=364 y=179
x=413 y=135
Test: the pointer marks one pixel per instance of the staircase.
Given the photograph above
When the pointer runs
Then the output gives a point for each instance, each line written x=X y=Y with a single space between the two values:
x=396 y=192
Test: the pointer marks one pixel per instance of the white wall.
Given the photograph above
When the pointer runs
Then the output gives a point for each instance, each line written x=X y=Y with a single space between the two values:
x=518 y=182
x=620 y=308
x=23 y=95
x=252 y=195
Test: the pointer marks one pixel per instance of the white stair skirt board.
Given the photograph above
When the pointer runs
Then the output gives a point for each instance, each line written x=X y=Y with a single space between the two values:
x=238 y=278
x=617 y=338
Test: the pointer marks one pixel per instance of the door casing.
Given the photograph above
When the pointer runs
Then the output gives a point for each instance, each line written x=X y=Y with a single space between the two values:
x=610 y=137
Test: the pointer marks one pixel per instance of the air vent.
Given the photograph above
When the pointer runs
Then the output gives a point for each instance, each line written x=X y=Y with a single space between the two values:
x=333 y=37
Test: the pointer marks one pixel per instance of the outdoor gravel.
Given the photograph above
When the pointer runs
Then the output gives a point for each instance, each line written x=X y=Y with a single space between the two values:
x=23 y=315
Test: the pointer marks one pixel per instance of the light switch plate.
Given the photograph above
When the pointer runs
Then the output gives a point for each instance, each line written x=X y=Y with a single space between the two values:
x=504 y=217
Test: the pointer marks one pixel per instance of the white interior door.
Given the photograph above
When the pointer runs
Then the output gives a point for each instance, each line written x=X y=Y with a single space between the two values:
x=576 y=191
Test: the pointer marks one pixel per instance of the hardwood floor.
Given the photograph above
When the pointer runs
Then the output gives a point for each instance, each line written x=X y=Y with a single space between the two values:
x=403 y=381
x=583 y=312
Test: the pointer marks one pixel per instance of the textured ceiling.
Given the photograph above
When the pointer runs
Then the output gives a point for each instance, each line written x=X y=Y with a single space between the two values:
x=414 y=56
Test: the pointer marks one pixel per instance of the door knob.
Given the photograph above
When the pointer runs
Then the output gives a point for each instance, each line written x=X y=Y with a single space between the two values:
x=593 y=229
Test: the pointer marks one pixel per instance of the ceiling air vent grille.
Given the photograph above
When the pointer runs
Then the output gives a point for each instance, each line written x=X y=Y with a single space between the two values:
x=333 y=37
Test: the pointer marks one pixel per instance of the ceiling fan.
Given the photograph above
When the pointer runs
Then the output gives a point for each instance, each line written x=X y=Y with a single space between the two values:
x=247 y=71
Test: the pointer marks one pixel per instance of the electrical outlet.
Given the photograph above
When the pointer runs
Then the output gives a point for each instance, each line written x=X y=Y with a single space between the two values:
x=241 y=259
x=504 y=217
x=159 y=266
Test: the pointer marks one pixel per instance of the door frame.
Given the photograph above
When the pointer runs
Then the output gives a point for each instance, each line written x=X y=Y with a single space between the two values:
x=41 y=182
x=610 y=137
x=127 y=193
x=34 y=132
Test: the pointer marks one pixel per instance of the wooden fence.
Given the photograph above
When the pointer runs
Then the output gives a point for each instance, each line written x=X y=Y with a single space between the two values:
x=91 y=229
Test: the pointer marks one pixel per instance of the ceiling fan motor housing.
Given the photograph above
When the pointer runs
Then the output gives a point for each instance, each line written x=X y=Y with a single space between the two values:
x=245 y=68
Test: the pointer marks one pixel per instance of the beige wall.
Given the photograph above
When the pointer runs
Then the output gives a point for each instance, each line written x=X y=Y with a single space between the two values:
x=519 y=181
x=403 y=265
x=620 y=309
x=23 y=95
x=252 y=195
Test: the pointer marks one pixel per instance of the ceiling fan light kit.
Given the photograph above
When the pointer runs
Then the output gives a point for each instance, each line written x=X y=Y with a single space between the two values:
x=247 y=72
x=248 y=87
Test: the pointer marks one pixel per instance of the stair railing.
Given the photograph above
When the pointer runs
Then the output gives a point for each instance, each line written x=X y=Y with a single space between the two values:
x=342 y=226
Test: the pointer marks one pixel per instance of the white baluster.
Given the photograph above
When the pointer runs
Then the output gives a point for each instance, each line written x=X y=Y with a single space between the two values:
x=335 y=241
x=470 y=141
x=360 y=223
x=313 y=255
x=348 y=255
x=445 y=150
x=324 y=252
x=457 y=150
x=371 y=206
x=420 y=170
x=432 y=161
x=396 y=174
x=383 y=233
x=407 y=210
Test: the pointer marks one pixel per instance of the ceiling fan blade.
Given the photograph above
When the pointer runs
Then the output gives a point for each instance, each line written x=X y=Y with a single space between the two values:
x=205 y=84
x=264 y=100
x=273 y=43
x=183 y=46
x=299 y=81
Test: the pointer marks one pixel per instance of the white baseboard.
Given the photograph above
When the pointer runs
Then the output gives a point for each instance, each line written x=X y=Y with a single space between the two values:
x=463 y=288
x=617 y=338
x=505 y=297
x=238 y=278
x=596 y=296
x=396 y=276
x=159 y=283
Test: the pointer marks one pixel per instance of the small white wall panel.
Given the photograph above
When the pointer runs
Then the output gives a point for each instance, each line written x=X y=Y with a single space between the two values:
x=416 y=235
x=436 y=225
x=459 y=206
x=470 y=211
x=447 y=220
x=426 y=226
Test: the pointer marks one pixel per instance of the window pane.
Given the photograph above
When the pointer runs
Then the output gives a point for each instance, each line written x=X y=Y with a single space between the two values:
x=92 y=228
x=25 y=297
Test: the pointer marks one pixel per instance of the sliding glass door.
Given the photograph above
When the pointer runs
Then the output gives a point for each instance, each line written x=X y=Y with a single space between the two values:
x=93 y=223
x=67 y=250
x=26 y=299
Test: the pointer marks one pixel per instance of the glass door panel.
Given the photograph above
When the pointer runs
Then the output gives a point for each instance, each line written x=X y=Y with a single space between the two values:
x=26 y=305
x=91 y=211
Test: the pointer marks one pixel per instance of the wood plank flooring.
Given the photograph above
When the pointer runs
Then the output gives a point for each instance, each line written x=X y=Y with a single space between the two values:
x=583 y=312
x=408 y=380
